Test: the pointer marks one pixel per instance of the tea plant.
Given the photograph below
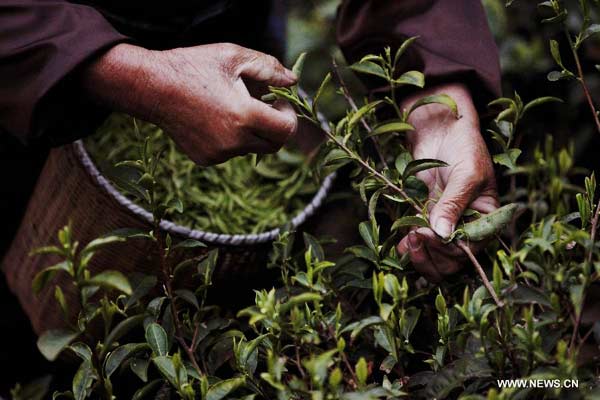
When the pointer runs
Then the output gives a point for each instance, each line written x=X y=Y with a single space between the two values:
x=240 y=196
x=363 y=326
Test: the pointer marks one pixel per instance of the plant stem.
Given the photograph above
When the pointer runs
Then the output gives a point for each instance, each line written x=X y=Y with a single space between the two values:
x=590 y=254
x=374 y=172
x=465 y=248
x=350 y=100
x=417 y=207
x=581 y=80
x=169 y=291
x=590 y=102
x=344 y=357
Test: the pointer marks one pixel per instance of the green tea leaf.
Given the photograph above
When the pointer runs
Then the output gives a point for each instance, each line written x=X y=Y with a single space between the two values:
x=120 y=354
x=389 y=127
x=83 y=380
x=49 y=250
x=299 y=65
x=165 y=366
x=317 y=96
x=317 y=365
x=436 y=99
x=188 y=296
x=51 y=343
x=508 y=159
x=110 y=280
x=361 y=112
x=414 y=78
x=120 y=330
x=147 y=390
x=222 y=389
x=357 y=327
x=139 y=366
x=82 y=350
x=555 y=51
x=42 y=278
x=422 y=165
x=142 y=289
x=188 y=244
x=366 y=233
x=402 y=49
x=409 y=221
x=361 y=371
x=402 y=161
x=539 y=101
x=99 y=243
x=157 y=339
x=369 y=68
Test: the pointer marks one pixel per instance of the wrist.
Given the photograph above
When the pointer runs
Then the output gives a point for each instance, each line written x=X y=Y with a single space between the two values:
x=123 y=79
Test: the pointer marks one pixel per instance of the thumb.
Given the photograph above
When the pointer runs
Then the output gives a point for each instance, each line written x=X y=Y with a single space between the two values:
x=458 y=194
x=267 y=69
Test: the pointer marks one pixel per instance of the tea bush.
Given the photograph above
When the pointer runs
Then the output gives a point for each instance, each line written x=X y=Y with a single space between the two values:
x=365 y=326
x=237 y=197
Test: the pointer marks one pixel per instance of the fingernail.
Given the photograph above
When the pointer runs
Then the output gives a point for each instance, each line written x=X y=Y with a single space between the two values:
x=443 y=227
x=414 y=243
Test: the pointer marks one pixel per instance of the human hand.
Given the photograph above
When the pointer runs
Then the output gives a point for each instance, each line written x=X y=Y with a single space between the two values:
x=467 y=182
x=198 y=96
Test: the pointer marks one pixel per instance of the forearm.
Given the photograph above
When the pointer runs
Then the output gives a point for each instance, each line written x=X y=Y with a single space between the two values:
x=123 y=79
x=43 y=47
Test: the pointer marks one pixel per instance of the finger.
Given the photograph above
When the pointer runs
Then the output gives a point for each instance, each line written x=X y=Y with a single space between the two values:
x=251 y=144
x=420 y=259
x=444 y=263
x=275 y=124
x=485 y=204
x=462 y=187
x=436 y=246
x=446 y=258
x=265 y=68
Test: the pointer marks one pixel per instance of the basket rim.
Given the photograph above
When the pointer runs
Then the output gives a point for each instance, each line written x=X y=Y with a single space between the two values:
x=209 y=237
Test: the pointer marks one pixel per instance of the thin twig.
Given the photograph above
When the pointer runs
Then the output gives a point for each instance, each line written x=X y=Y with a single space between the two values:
x=463 y=246
x=169 y=291
x=590 y=253
x=581 y=80
x=408 y=199
x=344 y=357
x=589 y=258
x=299 y=363
x=350 y=100
x=373 y=171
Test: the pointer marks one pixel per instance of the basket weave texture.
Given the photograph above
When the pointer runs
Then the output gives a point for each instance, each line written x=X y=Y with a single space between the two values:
x=71 y=189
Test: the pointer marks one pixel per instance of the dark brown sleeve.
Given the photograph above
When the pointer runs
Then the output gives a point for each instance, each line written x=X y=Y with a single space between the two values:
x=454 y=42
x=42 y=45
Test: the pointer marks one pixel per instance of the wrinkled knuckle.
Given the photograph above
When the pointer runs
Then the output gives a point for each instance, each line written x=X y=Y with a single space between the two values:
x=230 y=49
x=271 y=62
x=233 y=58
x=452 y=207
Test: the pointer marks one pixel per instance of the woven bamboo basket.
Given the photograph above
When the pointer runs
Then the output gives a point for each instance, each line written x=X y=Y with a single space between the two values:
x=72 y=189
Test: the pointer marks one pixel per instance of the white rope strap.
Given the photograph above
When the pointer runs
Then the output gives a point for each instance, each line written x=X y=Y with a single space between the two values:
x=209 y=237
